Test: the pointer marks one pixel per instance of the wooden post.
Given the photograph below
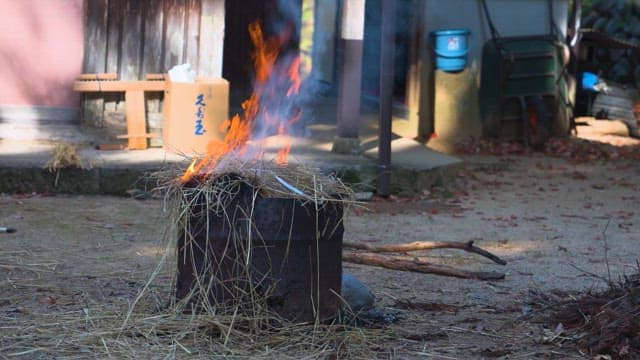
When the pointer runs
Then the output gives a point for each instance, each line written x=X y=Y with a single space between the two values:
x=131 y=51
x=191 y=41
x=387 y=51
x=211 y=38
x=420 y=76
x=136 y=119
x=174 y=33
x=95 y=57
x=114 y=33
x=324 y=41
x=350 y=75
x=152 y=48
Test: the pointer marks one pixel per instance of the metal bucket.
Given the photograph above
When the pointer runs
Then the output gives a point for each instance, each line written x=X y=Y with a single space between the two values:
x=284 y=252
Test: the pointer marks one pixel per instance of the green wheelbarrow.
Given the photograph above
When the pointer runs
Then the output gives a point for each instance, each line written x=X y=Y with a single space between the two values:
x=526 y=93
x=524 y=89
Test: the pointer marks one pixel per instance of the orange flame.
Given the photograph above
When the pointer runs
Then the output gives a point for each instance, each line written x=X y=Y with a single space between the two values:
x=267 y=93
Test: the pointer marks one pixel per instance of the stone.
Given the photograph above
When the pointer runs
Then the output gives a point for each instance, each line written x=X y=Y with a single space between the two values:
x=636 y=74
x=613 y=26
x=603 y=6
x=621 y=71
x=363 y=196
x=635 y=29
x=602 y=55
x=346 y=146
x=589 y=20
x=627 y=28
x=600 y=23
x=617 y=54
x=355 y=294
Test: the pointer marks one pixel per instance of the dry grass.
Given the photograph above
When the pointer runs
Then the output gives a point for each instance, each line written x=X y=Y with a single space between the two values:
x=228 y=202
x=65 y=155
x=102 y=305
x=102 y=331
x=600 y=323
x=243 y=325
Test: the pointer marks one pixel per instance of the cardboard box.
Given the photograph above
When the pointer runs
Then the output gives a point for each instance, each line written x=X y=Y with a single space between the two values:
x=193 y=114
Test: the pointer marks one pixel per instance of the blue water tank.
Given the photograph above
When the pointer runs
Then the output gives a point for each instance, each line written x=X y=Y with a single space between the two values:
x=451 y=47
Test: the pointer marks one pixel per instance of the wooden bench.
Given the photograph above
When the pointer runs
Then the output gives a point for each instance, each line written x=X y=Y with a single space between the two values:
x=134 y=101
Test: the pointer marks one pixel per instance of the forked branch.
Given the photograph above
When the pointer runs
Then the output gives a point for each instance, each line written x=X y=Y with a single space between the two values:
x=396 y=263
x=424 y=245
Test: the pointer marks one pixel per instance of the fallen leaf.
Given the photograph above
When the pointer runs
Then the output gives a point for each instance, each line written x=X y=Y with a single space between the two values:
x=49 y=299
x=602 y=357
x=624 y=350
x=495 y=353
x=559 y=329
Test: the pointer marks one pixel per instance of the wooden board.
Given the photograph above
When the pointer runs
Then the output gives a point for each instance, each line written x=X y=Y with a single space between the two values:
x=147 y=136
x=135 y=105
x=152 y=49
x=131 y=52
x=119 y=85
x=99 y=76
x=136 y=125
x=155 y=77
x=174 y=11
x=132 y=38
x=191 y=35
x=113 y=46
x=135 y=37
x=94 y=61
x=211 y=38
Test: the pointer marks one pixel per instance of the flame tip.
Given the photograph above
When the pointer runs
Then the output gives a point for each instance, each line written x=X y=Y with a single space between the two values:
x=239 y=128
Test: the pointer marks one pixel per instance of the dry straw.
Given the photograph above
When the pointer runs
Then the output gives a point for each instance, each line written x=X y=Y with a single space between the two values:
x=243 y=324
x=65 y=155
x=215 y=198
x=134 y=318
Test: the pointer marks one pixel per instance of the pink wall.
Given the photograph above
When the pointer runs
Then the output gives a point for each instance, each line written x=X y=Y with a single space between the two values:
x=40 y=51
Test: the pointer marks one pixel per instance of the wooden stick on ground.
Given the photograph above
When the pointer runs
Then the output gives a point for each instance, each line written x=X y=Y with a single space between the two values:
x=425 y=245
x=394 y=263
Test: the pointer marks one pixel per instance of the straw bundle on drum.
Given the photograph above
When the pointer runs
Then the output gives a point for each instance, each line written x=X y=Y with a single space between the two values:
x=261 y=240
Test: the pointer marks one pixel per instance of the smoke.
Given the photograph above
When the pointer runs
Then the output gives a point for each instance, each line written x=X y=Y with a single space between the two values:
x=284 y=103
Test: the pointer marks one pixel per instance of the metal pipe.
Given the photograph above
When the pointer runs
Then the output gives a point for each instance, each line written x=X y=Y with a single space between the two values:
x=387 y=51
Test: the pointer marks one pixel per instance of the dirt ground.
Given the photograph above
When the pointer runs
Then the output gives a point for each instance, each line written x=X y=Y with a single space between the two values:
x=77 y=262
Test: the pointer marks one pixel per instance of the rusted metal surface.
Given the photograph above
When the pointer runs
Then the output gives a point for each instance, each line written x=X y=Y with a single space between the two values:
x=298 y=273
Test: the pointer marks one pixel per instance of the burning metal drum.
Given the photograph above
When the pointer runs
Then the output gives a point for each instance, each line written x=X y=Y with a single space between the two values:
x=239 y=249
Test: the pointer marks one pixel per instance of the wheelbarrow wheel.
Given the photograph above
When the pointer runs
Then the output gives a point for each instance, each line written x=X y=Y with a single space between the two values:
x=564 y=122
x=536 y=123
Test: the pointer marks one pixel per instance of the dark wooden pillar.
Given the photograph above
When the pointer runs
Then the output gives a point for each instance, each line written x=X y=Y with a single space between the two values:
x=95 y=58
x=420 y=82
x=350 y=77
x=387 y=52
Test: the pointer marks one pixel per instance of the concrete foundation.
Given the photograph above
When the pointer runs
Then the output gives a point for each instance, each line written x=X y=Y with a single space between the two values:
x=457 y=115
